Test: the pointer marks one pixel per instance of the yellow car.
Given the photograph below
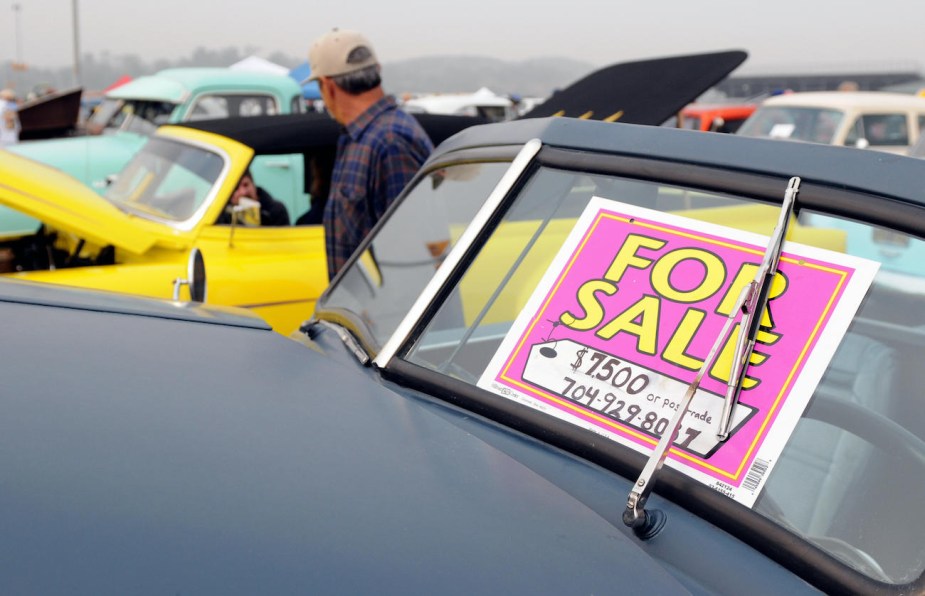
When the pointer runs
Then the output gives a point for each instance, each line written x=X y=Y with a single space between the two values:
x=163 y=213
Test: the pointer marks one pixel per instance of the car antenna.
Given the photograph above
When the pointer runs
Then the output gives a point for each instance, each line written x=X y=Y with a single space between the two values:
x=752 y=301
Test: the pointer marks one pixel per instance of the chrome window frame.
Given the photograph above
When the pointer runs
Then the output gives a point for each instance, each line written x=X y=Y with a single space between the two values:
x=193 y=220
x=440 y=278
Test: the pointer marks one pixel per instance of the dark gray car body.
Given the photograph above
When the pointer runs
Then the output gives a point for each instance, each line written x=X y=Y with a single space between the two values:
x=151 y=447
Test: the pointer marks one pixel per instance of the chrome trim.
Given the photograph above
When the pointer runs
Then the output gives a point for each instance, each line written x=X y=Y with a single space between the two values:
x=348 y=340
x=504 y=186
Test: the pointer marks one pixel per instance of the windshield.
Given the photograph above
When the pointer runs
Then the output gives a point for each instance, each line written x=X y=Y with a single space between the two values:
x=167 y=180
x=405 y=254
x=814 y=125
x=861 y=433
x=141 y=116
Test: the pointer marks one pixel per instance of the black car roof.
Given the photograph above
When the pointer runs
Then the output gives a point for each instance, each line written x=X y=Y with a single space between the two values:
x=869 y=171
x=297 y=133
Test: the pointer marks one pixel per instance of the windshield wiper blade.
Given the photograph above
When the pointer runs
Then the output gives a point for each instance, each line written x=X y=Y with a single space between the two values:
x=752 y=301
x=753 y=308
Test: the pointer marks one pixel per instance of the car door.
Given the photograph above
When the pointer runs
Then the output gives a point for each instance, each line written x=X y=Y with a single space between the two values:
x=278 y=272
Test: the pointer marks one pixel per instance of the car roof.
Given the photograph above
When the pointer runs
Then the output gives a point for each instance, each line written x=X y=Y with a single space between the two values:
x=296 y=133
x=848 y=99
x=827 y=165
x=176 y=84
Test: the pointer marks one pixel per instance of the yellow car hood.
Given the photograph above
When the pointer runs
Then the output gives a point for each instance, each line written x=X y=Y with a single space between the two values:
x=64 y=203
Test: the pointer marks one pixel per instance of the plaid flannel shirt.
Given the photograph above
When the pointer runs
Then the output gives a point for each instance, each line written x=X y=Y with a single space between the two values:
x=377 y=155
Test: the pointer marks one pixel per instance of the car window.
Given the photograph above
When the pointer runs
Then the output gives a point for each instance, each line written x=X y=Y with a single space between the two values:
x=879 y=130
x=167 y=180
x=103 y=114
x=815 y=125
x=406 y=252
x=496 y=286
x=852 y=477
x=297 y=105
x=232 y=105
x=137 y=115
x=855 y=133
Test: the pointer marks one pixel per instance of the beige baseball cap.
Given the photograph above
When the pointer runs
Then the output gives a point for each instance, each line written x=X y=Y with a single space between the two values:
x=340 y=51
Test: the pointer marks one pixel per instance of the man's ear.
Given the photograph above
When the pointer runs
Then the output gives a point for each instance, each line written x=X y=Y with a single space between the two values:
x=331 y=88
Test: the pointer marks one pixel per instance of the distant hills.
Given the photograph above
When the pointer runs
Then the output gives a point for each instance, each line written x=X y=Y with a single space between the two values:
x=435 y=74
x=448 y=74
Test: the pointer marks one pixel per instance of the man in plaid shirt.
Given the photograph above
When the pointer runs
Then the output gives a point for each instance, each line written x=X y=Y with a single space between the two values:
x=379 y=151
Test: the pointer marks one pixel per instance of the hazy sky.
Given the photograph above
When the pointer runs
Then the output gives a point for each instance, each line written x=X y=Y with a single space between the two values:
x=778 y=34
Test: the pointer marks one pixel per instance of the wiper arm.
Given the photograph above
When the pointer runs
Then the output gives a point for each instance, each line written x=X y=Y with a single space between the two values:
x=753 y=308
x=753 y=297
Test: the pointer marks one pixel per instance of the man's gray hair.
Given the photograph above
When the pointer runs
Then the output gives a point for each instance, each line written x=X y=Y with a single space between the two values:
x=359 y=81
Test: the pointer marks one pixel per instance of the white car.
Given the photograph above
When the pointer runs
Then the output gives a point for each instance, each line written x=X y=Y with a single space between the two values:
x=884 y=121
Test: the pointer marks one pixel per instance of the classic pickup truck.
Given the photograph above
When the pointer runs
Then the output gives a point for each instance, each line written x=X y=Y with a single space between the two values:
x=131 y=112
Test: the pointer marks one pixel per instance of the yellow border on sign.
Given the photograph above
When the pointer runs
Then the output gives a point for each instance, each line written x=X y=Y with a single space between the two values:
x=615 y=425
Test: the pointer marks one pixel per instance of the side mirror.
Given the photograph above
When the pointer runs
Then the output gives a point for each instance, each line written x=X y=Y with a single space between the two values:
x=195 y=278
x=245 y=213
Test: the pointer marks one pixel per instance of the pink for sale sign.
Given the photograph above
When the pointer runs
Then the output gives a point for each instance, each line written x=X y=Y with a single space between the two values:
x=625 y=316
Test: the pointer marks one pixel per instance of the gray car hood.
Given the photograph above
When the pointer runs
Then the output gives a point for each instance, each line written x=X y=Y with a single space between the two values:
x=147 y=454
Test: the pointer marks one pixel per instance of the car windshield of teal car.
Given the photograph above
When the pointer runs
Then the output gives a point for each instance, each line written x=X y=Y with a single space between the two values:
x=594 y=299
x=813 y=125
x=168 y=181
x=136 y=115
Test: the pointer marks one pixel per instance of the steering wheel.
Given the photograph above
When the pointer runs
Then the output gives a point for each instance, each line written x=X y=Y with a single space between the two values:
x=873 y=428
x=869 y=425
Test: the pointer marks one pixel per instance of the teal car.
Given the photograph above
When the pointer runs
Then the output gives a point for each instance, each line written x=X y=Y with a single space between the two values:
x=130 y=113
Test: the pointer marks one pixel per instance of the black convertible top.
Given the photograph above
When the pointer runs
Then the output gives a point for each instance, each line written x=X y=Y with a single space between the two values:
x=297 y=133
x=641 y=92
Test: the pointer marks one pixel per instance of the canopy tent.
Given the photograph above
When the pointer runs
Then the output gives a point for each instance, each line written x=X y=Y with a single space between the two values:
x=258 y=64
x=302 y=72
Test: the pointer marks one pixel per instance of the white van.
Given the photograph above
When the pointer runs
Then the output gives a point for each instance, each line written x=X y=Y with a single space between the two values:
x=884 y=121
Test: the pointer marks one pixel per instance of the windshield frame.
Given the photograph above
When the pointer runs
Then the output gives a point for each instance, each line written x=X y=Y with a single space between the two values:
x=194 y=219
x=416 y=314
x=324 y=310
